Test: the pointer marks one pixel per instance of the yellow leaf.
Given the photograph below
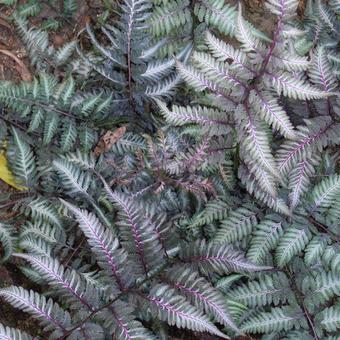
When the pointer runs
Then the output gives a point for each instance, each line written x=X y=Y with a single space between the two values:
x=6 y=175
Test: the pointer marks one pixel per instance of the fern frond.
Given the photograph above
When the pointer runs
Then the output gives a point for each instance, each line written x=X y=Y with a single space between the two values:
x=138 y=233
x=294 y=88
x=201 y=294
x=321 y=72
x=237 y=225
x=292 y=242
x=121 y=322
x=22 y=160
x=324 y=193
x=175 y=310
x=299 y=180
x=265 y=238
x=278 y=319
x=9 y=333
x=331 y=318
x=181 y=115
x=268 y=289
x=272 y=113
x=220 y=258
x=218 y=14
x=7 y=241
x=67 y=283
x=74 y=180
x=51 y=316
x=104 y=244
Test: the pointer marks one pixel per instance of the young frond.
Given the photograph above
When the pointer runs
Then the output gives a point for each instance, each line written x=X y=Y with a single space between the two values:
x=284 y=9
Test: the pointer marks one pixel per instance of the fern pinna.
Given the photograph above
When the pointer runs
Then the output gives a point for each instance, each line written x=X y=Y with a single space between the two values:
x=215 y=211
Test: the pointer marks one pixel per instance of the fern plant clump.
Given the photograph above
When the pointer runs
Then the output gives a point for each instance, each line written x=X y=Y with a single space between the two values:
x=180 y=176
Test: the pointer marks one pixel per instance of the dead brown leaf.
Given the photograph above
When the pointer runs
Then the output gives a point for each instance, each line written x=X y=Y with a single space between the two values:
x=108 y=139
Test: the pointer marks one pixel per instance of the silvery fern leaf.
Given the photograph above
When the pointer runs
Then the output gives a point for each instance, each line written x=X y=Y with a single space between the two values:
x=325 y=285
x=292 y=87
x=265 y=238
x=292 y=242
x=9 y=333
x=7 y=241
x=22 y=160
x=216 y=71
x=335 y=5
x=165 y=88
x=201 y=294
x=272 y=112
x=237 y=226
x=105 y=245
x=181 y=115
x=315 y=249
x=50 y=127
x=67 y=283
x=41 y=209
x=218 y=14
x=169 y=17
x=50 y=315
x=279 y=318
x=36 y=246
x=214 y=210
x=62 y=55
x=268 y=289
x=139 y=236
x=73 y=179
x=69 y=135
x=299 y=180
x=325 y=14
x=245 y=35
x=219 y=258
x=284 y=9
x=325 y=193
x=254 y=139
x=227 y=53
x=253 y=186
x=263 y=179
x=120 y=320
x=331 y=318
x=176 y=310
x=320 y=72
x=318 y=133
